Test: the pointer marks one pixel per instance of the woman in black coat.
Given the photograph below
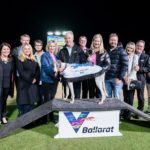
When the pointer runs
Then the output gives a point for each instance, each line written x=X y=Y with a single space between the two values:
x=99 y=57
x=29 y=73
x=6 y=79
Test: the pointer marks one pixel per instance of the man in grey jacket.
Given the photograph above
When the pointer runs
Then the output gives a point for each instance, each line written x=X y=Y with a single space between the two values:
x=24 y=39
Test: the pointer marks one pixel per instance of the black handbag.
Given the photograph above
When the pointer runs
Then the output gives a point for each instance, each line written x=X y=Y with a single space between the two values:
x=135 y=84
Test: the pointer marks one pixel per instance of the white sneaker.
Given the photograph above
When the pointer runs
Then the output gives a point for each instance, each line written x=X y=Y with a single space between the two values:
x=57 y=125
x=4 y=120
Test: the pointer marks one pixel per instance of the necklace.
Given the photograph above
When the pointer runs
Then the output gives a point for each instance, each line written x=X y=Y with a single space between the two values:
x=5 y=60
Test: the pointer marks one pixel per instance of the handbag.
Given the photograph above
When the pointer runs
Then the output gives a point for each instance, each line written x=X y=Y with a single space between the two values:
x=134 y=84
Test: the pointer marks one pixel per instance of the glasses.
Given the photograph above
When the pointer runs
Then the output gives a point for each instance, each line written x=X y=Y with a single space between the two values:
x=38 y=45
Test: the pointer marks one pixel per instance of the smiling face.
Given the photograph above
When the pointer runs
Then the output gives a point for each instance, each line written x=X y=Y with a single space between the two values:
x=27 y=50
x=69 y=39
x=52 y=47
x=82 y=42
x=5 y=51
x=113 y=41
x=97 y=43
x=140 y=47
x=130 y=48
x=38 y=46
x=25 y=40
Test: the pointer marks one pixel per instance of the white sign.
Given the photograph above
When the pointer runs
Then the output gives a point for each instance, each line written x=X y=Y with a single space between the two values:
x=88 y=124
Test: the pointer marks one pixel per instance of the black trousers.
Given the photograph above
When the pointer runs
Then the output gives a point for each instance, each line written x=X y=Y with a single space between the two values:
x=85 y=88
x=128 y=95
x=140 y=95
x=3 y=102
x=49 y=91
x=128 y=98
x=93 y=90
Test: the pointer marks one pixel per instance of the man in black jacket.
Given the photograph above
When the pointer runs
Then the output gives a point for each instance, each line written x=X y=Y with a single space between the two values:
x=118 y=69
x=142 y=70
x=84 y=83
x=71 y=53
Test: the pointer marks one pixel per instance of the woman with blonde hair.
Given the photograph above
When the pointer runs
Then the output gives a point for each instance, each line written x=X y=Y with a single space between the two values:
x=28 y=80
x=49 y=76
x=99 y=57
x=130 y=75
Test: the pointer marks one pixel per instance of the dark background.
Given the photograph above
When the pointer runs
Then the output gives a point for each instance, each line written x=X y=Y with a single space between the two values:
x=129 y=21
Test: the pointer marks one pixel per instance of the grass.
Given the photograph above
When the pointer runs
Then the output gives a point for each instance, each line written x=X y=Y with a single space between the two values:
x=136 y=136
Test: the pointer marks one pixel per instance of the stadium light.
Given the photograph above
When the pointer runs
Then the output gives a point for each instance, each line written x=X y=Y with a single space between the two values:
x=50 y=33
x=57 y=33
x=64 y=32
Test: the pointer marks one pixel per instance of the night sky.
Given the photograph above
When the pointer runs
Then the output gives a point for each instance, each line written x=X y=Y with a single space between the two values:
x=35 y=18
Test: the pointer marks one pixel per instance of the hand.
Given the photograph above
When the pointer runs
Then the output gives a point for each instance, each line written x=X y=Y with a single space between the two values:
x=89 y=59
x=34 y=80
x=117 y=81
x=136 y=68
x=56 y=73
x=60 y=69
x=126 y=79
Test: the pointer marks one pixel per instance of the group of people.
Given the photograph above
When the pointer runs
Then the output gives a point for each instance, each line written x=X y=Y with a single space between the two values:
x=32 y=71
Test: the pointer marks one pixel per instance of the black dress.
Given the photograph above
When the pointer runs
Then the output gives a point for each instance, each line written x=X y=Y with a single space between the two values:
x=6 y=84
x=27 y=93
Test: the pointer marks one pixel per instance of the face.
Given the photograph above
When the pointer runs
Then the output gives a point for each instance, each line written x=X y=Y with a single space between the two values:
x=97 y=43
x=27 y=50
x=83 y=42
x=25 y=40
x=139 y=47
x=69 y=40
x=5 y=51
x=113 y=41
x=38 y=46
x=130 y=49
x=52 y=47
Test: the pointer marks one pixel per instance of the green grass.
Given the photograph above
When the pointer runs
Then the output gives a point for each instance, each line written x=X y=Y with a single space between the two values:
x=136 y=136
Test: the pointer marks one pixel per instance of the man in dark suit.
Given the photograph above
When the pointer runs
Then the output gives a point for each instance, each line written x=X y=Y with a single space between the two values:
x=71 y=53
x=84 y=83
x=142 y=70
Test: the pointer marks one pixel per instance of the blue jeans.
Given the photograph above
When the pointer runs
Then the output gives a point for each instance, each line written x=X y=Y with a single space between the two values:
x=112 y=87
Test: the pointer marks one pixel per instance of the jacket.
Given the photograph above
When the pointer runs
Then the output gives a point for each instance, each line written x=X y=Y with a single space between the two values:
x=47 y=68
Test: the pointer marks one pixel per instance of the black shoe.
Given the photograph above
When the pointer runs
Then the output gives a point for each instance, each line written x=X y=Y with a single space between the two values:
x=136 y=117
x=128 y=118
x=147 y=112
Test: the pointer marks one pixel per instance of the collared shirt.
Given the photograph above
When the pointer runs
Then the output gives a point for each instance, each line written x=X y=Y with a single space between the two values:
x=84 y=49
x=69 y=50
x=53 y=56
x=38 y=58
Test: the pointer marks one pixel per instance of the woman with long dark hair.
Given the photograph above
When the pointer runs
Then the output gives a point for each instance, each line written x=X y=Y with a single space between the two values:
x=6 y=79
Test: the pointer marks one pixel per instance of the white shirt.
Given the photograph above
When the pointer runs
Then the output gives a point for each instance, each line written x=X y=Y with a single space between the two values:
x=69 y=50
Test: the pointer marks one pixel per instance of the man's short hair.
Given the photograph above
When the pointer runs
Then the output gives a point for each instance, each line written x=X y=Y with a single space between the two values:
x=38 y=41
x=24 y=35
